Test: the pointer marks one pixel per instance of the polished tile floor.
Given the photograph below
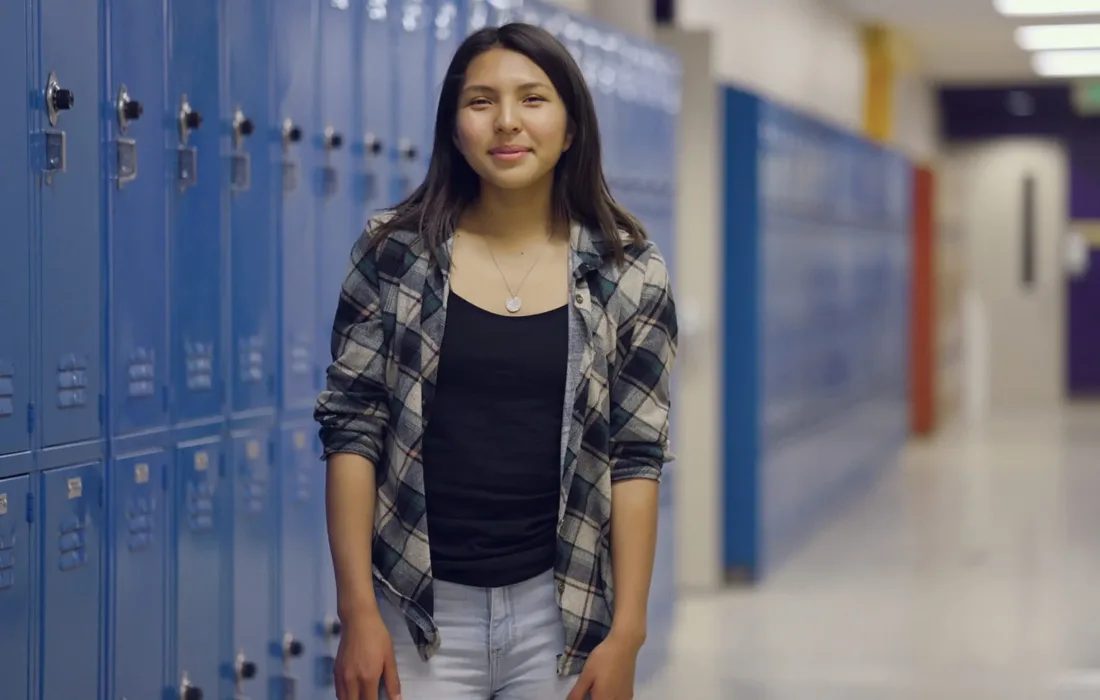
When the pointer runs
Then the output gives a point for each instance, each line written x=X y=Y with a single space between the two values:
x=970 y=572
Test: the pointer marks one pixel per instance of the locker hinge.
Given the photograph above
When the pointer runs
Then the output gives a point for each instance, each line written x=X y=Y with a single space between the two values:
x=271 y=452
x=102 y=407
x=164 y=479
x=165 y=398
x=221 y=465
x=30 y=417
x=30 y=507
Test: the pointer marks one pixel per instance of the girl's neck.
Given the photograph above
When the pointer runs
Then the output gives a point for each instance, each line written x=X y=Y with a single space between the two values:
x=512 y=217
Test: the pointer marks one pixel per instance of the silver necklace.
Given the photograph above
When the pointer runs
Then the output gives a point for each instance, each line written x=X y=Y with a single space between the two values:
x=514 y=303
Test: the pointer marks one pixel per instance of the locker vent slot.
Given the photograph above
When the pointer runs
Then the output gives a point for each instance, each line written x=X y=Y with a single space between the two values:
x=251 y=367
x=143 y=373
x=300 y=357
x=7 y=562
x=254 y=494
x=200 y=366
x=72 y=543
x=72 y=381
x=139 y=522
x=200 y=506
x=7 y=389
x=304 y=483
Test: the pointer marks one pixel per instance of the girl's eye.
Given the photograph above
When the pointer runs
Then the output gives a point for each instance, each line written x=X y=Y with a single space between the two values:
x=534 y=98
x=479 y=102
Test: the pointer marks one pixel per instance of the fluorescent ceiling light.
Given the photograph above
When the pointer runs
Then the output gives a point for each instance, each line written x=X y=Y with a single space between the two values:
x=1047 y=8
x=1050 y=37
x=1066 y=64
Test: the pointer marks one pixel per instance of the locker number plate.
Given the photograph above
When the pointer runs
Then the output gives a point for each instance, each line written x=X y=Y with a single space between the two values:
x=187 y=170
x=3 y=504
x=127 y=162
x=240 y=172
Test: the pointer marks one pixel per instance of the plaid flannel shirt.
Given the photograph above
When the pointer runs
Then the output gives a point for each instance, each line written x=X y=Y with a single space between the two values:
x=385 y=346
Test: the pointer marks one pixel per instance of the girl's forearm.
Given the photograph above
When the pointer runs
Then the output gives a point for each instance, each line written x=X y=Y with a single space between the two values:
x=634 y=504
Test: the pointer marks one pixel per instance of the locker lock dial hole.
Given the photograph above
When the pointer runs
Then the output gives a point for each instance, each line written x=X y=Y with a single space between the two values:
x=189 y=119
x=188 y=691
x=242 y=127
x=58 y=99
x=129 y=110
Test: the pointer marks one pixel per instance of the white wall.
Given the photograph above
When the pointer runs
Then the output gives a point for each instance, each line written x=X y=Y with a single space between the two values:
x=916 y=117
x=698 y=290
x=796 y=52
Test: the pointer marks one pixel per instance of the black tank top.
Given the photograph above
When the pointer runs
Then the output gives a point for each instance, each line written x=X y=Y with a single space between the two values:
x=492 y=446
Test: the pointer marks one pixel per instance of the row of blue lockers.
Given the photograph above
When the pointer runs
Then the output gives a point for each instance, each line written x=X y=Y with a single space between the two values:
x=816 y=322
x=182 y=191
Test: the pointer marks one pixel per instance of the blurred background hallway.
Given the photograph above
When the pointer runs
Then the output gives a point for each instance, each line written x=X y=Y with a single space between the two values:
x=969 y=573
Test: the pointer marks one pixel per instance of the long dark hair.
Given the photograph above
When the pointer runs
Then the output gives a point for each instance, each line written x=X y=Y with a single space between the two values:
x=580 y=190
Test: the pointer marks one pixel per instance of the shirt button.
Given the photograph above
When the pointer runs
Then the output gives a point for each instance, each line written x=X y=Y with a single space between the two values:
x=579 y=298
x=561 y=587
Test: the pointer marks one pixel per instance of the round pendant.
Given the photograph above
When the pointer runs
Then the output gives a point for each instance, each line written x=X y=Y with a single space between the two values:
x=513 y=304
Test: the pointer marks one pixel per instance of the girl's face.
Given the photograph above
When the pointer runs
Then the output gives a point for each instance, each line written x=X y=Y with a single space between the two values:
x=512 y=126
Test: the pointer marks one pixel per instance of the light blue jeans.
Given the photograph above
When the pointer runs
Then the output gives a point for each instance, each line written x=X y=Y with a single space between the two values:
x=495 y=644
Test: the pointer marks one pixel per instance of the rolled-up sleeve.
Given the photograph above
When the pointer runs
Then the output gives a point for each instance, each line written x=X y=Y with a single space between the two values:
x=353 y=408
x=640 y=394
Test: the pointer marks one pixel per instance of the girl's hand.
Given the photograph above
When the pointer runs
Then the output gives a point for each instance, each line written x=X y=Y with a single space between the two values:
x=609 y=672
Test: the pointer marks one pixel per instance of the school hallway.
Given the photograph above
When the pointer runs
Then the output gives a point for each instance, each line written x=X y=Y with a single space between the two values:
x=971 y=572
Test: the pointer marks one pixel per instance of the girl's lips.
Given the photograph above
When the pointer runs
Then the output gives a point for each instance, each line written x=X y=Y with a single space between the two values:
x=509 y=153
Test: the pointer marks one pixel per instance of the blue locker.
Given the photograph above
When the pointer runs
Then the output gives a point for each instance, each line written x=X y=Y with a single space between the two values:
x=200 y=524
x=253 y=548
x=196 y=228
x=138 y=560
x=307 y=640
x=374 y=121
x=447 y=34
x=336 y=226
x=295 y=79
x=138 y=202
x=71 y=313
x=15 y=588
x=70 y=556
x=254 y=146
x=410 y=22
x=15 y=236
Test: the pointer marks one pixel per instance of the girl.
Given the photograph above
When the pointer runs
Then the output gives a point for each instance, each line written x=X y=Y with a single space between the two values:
x=495 y=418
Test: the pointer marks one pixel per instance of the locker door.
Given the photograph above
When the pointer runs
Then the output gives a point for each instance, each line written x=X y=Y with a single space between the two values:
x=447 y=35
x=15 y=588
x=409 y=25
x=336 y=227
x=71 y=315
x=199 y=529
x=296 y=67
x=72 y=520
x=253 y=548
x=252 y=203
x=138 y=523
x=15 y=236
x=301 y=546
x=371 y=155
x=139 y=235
x=196 y=254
